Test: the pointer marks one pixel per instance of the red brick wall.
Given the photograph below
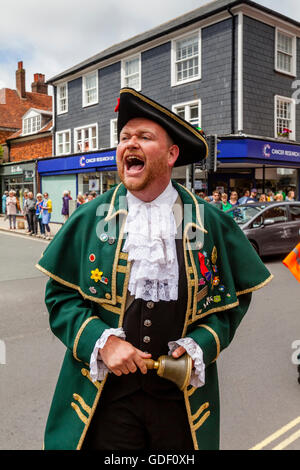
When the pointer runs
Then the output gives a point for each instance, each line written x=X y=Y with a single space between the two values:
x=40 y=147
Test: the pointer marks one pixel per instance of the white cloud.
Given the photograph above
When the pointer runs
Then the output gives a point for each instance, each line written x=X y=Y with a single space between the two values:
x=53 y=36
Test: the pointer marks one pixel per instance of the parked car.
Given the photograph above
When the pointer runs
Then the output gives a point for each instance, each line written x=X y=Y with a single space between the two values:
x=271 y=227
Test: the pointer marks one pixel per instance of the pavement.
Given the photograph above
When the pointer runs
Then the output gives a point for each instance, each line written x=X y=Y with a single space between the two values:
x=4 y=227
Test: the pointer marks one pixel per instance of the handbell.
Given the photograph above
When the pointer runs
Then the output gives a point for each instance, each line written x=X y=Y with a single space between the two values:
x=177 y=370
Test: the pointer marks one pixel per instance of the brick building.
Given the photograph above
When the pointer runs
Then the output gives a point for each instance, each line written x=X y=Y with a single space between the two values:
x=25 y=131
x=229 y=67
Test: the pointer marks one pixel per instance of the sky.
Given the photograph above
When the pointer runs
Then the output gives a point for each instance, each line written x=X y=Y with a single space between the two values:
x=50 y=37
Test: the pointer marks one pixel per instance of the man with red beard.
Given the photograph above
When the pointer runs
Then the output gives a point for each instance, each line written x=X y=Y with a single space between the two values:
x=175 y=277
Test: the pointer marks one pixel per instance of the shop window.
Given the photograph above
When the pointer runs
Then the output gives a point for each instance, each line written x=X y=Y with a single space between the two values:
x=276 y=215
x=131 y=72
x=285 y=117
x=86 y=138
x=295 y=212
x=189 y=111
x=186 y=59
x=90 y=89
x=62 y=98
x=63 y=142
x=285 y=53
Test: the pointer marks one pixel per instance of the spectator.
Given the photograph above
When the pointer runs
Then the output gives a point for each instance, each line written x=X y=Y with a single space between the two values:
x=278 y=197
x=46 y=215
x=25 y=211
x=11 y=209
x=38 y=206
x=270 y=196
x=4 y=197
x=244 y=198
x=31 y=208
x=252 y=198
x=65 y=206
x=262 y=198
x=80 y=199
x=290 y=196
x=233 y=200
x=216 y=200
x=225 y=204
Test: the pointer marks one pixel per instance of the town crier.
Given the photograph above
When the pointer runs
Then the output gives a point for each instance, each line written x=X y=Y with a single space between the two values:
x=144 y=270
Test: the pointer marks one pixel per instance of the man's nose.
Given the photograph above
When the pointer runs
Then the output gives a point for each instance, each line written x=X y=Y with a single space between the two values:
x=132 y=141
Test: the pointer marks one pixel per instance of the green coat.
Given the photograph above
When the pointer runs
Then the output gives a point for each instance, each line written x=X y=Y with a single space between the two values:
x=87 y=293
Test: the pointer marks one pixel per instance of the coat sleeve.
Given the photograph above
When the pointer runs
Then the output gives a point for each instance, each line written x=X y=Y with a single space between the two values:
x=216 y=331
x=72 y=319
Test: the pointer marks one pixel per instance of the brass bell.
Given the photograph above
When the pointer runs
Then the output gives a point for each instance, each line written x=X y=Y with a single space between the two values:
x=177 y=370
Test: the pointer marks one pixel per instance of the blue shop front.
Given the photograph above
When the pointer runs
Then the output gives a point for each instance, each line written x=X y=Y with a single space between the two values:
x=81 y=173
x=263 y=164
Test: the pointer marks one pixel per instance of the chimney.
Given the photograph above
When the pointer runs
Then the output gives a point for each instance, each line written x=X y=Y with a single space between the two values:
x=20 y=81
x=38 y=85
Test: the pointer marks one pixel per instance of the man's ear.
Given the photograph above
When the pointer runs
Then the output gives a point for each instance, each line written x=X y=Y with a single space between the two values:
x=173 y=155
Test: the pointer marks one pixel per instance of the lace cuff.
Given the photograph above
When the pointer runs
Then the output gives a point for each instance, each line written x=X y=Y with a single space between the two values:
x=196 y=353
x=98 y=369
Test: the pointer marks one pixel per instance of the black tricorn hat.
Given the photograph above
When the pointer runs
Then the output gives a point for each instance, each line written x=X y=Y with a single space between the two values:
x=190 y=140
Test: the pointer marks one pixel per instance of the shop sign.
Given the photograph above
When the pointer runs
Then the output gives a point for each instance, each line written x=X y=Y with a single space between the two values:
x=78 y=162
x=16 y=170
x=259 y=150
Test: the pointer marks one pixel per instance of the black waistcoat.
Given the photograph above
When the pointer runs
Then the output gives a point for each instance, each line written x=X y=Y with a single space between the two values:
x=149 y=326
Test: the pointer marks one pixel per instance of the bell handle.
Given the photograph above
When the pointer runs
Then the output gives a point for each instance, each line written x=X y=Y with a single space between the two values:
x=151 y=364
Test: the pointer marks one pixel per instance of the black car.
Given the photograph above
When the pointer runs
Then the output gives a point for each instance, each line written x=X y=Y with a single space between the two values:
x=271 y=227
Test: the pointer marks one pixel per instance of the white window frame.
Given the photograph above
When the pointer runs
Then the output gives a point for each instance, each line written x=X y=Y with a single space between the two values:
x=123 y=76
x=292 y=135
x=294 y=52
x=64 y=133
x=84 y=78
x=174 y=80
x=113 y=133
x=187 y=106
x=58 y=98
x=28 y=127
x=81 y=128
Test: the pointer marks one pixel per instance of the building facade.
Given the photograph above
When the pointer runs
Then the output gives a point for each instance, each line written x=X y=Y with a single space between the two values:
x=26 y=123
x=229 y=67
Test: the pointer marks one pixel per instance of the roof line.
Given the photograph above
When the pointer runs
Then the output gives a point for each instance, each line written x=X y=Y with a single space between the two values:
x=168 y=27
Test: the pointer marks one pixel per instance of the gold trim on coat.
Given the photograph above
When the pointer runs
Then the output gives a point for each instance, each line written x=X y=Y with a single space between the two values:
x=216 y=338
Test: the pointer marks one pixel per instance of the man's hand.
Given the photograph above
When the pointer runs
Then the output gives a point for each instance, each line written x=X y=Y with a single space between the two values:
x=122 y=358
x=178 y=352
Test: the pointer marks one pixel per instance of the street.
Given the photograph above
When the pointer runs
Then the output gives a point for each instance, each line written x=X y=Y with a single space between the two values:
x=258 y=381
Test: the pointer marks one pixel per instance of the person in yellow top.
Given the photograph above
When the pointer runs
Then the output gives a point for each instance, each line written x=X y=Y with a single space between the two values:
x=46 y=215
x=292 y=261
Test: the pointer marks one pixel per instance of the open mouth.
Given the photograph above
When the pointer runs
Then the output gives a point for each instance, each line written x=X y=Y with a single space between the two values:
x=134 y=164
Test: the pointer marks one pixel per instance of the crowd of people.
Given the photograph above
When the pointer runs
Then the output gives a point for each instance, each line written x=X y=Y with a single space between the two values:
x=37 y=210
x=225 y=203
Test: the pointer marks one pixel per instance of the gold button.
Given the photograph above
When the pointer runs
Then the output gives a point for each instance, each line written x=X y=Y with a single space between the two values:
x=107 y=296
x=150 y=304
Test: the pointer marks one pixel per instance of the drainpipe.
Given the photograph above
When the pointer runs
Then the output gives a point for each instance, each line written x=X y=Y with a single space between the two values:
x=232 y=71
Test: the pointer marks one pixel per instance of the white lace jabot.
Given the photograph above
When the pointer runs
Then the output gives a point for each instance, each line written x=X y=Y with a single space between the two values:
x=150 y=243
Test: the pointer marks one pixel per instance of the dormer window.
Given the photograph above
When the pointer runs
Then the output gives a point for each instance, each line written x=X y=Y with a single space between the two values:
x=32 y=124
x=34 y=120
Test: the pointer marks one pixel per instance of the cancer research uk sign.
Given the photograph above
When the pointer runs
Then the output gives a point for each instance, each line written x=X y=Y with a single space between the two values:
x=259 y=150
x=98 y=160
